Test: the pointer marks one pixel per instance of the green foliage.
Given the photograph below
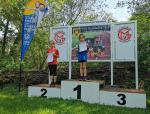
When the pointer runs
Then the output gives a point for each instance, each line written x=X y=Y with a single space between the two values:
x=143 y=30
x=34 y=58
x=8 y=64
x=133 y=5
x=12 y=11
x=36 y=55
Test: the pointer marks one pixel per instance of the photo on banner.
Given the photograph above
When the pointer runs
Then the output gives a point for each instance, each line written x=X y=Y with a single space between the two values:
x=97 y=38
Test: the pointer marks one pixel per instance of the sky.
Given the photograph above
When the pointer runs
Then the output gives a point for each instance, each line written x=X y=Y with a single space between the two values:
x=120 y=14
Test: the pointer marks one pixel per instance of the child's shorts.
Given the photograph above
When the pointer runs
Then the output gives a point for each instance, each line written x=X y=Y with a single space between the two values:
x=82 y=56
x=53 y=69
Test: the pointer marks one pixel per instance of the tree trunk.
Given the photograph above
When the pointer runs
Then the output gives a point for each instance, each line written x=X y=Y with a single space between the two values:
x=15 y=49
x=5 y=37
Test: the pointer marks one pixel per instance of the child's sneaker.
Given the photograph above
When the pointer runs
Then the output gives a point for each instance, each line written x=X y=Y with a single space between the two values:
x=84 y=78
x=81 y=78
x=52 y=84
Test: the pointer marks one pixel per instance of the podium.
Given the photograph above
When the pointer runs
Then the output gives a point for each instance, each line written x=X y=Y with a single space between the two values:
x=90 y=91
x=87 y=91
x=124 y=98
x=43 y=90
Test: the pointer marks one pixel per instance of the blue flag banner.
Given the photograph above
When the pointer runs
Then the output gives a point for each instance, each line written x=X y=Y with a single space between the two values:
x=29 y=29
x=33 y=14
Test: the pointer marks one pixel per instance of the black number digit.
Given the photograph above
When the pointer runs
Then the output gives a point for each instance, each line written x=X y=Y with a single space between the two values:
x=122 y=98
x=44 y=92
x=78 y=89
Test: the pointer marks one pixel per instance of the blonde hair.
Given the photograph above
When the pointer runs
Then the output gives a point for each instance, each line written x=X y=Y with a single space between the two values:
x=51 y=42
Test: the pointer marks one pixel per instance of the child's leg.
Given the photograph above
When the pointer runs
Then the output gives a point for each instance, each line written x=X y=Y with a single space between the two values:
x=81 y=68
x=55 y=79
x=84 y=69
x=55 y=73
x=81 y=71
x=50 y=77
x=52 y=84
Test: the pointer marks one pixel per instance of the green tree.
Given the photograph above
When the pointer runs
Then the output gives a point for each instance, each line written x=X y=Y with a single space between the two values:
x=11 y=12
x=143 y=20
x=140 y=10
x=134 y=5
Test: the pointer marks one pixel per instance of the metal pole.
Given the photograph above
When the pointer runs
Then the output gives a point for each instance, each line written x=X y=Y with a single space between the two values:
x=112 y=76
x=20 y=77
x=136 y=62
x=112 y=63
x=70 y=50
x=69 y=69
x=136 y=74
x=20 y=70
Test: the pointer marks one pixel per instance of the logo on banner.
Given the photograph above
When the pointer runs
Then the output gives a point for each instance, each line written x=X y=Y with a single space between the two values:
x=76 y=31
x=59 y=37
x=124 y=34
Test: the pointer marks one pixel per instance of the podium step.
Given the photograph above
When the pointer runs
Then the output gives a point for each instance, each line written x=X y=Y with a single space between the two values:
x=112 y=89
x=91 y=91
x=47 y=85
x=101 y=82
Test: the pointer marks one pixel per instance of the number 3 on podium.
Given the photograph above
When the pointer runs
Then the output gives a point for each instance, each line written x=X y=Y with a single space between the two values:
x=122 y=99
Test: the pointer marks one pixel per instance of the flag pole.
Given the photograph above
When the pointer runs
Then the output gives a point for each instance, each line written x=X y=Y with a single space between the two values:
x=20 y=68
x=31 y=21
x=20 y=75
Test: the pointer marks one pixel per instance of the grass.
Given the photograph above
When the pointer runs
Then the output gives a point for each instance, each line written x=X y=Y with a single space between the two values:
x=12 y=102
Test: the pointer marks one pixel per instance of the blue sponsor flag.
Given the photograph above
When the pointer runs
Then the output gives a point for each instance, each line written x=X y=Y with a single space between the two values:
x=33 y=14
x=28 y=31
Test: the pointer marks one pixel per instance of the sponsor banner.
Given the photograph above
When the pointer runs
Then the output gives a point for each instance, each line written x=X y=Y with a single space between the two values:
x=33 y=14
x=124 y=41
x=61 y=37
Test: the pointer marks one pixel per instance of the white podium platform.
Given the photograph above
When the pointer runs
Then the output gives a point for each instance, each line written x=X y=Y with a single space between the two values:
x=87 y=91
x=43 y=90
x=90 y=91
x=123 y=98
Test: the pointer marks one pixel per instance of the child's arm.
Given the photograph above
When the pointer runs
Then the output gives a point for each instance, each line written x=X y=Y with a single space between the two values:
x=47 y=52
x=56 y=54
x=87 y=47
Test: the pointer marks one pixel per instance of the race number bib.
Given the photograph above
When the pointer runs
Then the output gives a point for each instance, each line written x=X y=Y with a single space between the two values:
x=82 y=47
x=50 y=57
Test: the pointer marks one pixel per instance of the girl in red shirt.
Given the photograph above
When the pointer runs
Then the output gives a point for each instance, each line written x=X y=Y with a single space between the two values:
x=52 y=54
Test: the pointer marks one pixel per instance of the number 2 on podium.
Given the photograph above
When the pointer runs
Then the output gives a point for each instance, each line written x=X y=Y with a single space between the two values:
x=44 y=92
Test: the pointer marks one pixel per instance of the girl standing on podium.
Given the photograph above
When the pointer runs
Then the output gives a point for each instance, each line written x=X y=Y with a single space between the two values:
x=82 y=57
x=52 y=55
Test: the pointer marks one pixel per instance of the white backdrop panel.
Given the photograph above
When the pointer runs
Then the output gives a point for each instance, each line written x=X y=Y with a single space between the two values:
x=61 y=36
x=124 y=41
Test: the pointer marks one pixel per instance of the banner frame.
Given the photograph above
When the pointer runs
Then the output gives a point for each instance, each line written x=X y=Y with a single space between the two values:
x=111 y=60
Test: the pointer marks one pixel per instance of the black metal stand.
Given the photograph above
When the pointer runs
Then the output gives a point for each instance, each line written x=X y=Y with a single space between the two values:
x=20 y=75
